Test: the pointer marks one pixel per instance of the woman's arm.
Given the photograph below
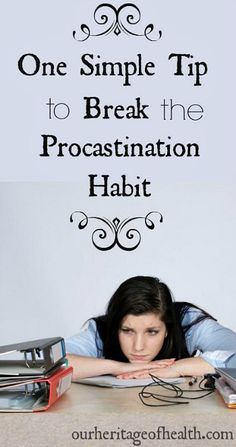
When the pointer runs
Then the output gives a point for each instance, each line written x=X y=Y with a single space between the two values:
x=92 y=366
x=193 y=366
x=216 y=343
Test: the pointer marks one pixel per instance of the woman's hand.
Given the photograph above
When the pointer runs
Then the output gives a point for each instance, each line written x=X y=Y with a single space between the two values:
x=162 y=372
x=120 y=368
x=192 y=366
x=161 y=363
x=142 y=370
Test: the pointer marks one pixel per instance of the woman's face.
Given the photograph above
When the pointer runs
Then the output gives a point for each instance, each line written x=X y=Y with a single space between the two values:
x=141 y=337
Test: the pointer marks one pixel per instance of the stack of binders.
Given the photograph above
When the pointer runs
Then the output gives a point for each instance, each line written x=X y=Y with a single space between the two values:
x=33 y=375
x=225 y=383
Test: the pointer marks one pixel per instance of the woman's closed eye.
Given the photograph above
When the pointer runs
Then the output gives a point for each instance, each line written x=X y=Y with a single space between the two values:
x=126 y=330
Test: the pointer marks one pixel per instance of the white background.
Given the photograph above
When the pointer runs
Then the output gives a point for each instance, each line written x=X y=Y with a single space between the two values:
x=52 y=277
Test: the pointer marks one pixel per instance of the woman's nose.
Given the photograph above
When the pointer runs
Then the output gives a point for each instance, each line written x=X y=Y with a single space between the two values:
x=138 y=343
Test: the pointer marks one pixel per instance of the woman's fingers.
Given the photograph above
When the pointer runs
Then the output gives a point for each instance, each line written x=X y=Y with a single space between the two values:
x=166 y=372
x=144 y=370
x=161 y=363
x=134 y=375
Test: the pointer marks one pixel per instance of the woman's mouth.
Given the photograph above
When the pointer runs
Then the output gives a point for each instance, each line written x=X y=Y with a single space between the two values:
x=137 y=358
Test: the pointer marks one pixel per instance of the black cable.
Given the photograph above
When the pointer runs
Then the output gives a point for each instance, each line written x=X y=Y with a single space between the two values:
x=178 y=392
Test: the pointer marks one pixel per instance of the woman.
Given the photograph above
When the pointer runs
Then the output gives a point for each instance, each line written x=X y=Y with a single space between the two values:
x=144 y=331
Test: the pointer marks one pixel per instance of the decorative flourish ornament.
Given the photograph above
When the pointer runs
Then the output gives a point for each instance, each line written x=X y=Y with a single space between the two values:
x=117 y=20
x=115 y=232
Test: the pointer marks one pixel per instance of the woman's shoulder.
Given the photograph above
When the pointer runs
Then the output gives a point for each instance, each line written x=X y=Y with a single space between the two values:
x=90 y=326
x=188 y=312
x=86 y=342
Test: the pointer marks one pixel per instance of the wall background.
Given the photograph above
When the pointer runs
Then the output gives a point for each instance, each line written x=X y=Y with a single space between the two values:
x=51 y=276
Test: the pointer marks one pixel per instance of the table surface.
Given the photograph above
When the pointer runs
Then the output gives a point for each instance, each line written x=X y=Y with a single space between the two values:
x=88 y=408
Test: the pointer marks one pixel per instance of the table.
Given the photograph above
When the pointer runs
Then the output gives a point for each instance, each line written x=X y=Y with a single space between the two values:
x=101 y=411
